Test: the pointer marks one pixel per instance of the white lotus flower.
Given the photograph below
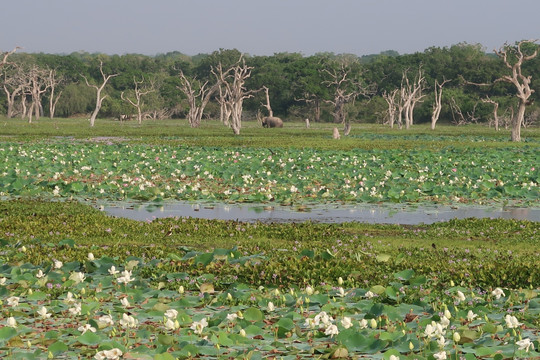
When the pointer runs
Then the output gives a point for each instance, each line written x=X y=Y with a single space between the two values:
x=471 y=315
x=113 y=354
x=434 y=330
x=171 y=314
x=128 y=321
x=363 y=324
x=346 y=322
x=86 y=328
x=3 y=281
x=393 y=357
x=106 y=320
x=440 y=355
x=198 y=326
x=113 y=270
x=125 y=278
x=77 y=277
x=91 y=257
x=271 y=306
x=125 y=302
x=40 y=274
x=511 y=321
x=461 y=296
x=369 y=295
x=309 y=290
x=69 y=298
x=13 y=301
x=76 y=309
x=42 y=312
x=341 y=292
x=232 y=317
x=322 y=317
x=331 y=330
x=525 y=344
x=444 y=321
x=169 y=324
x=498 y=292
x=58 y=264
x=441 y=341
x=11 y=322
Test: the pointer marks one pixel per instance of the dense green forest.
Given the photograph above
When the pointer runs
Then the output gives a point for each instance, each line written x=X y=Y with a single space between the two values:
x=299 y=86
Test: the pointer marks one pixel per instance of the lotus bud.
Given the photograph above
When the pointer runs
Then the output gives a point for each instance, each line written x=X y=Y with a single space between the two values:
x=240 y=315
x=373 y=323
x=456 y=337
x=276 y=292
x=91 y=257
x=242 y=332
x=447 y=314
x=83 y=291
x=29 y=344
x=176 y=324
x=309 y=290
x=340 y=281
x=411 y=346
x=229 y=297
x=30 y=292
x=50 y=355
x=452 y=283
x=181 y=289
x=23 y=248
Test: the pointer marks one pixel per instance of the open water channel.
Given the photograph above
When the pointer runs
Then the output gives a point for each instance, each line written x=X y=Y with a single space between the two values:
x=377 y=214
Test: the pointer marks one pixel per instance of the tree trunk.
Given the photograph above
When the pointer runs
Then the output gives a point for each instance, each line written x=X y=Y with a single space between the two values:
x=518 y=120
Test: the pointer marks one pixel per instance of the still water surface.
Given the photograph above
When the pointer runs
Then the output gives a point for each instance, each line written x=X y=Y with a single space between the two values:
x=373 y=213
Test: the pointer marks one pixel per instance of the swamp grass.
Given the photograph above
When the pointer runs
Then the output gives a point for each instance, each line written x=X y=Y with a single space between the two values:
x=473 y=252
x=293 y=135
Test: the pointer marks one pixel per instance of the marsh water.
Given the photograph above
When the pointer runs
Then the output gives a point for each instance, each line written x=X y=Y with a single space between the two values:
x=377 y=214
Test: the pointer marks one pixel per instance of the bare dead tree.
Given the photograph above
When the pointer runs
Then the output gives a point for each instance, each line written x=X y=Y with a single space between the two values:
x=531 y=118
x=38 y=85
x=224 y=106
x=267 y=105
x=346 y=90
x=411 y=94
x=234 y=90
x=198 y=95
x=513 y=58
x=99 y=89
x=4 y=56
x=313 y=101
x=139 y=93
x=437 y=105
x=462 y=119
x=53 y=81
x=15 y=84
x=391 y=100
x=495 y=104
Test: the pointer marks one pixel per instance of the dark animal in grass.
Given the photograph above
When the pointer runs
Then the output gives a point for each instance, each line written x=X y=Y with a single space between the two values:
x=272 y=122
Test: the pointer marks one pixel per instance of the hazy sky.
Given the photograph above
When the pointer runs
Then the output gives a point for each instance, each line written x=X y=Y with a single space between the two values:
x=255 y=27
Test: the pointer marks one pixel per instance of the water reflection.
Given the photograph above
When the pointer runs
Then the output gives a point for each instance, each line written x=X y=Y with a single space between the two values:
x=380 y=214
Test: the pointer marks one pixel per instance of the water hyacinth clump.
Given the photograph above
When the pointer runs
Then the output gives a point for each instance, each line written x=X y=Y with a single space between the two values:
x=95 y=313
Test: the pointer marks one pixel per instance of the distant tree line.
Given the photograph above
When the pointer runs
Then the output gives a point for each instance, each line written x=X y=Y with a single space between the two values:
x=464 y=83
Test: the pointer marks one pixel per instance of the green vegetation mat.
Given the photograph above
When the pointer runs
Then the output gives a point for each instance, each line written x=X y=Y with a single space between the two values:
x=464 y=288
x=75 y=283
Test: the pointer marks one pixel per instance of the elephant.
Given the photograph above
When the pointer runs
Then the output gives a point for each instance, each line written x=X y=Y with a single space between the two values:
x=271 y=122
